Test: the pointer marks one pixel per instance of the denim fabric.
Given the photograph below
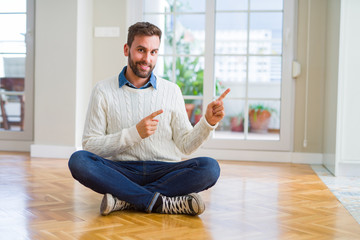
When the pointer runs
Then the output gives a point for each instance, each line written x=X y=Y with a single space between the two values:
x=140 y=182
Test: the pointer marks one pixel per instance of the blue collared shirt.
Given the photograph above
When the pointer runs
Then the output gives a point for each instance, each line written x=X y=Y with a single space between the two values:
x=123 y=81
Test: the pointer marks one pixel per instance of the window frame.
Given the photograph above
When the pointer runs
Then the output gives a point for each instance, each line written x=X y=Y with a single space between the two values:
x=287 y=83
x=27 y=133
x=287 y=86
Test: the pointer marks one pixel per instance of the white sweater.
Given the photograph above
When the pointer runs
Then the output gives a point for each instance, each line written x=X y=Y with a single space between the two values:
x=110 y=127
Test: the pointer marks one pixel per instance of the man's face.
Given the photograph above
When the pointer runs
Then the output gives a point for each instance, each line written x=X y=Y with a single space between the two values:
x=142 y=55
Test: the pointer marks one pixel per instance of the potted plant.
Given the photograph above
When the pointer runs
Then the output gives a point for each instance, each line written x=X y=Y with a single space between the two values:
x=237 y=123
x=259 y=117
x=190 y=77
x=189 y=72
x=197 y=114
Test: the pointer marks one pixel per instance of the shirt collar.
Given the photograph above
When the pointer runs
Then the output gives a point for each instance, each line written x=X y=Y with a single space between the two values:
x=123 y=81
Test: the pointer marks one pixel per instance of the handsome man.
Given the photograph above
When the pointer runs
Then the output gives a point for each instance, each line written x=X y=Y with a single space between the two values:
x=135 y=129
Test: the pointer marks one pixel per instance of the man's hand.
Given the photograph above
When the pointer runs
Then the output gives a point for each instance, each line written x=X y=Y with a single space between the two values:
x=148 y=125
x=215 y=110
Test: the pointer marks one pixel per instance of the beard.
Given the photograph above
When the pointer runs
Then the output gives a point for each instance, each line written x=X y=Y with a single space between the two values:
x=137 y=69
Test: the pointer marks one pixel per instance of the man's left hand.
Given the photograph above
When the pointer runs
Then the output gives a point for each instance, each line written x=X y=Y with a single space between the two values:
x=215 y=110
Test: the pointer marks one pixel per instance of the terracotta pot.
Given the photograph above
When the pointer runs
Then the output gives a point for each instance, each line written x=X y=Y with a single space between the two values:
x=189 y=109
x=197 y=118
x=260 y=123
x=237 y=124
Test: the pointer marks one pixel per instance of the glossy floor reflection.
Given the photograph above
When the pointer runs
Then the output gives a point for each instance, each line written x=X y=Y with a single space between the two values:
x=346 y=189
x=40 y=200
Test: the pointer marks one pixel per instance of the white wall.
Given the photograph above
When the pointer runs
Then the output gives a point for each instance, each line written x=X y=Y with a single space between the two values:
x=55 y=72
x=348 y=117
x=109 y=56
x=331 y=83
x=63 y=75
x=84 y=73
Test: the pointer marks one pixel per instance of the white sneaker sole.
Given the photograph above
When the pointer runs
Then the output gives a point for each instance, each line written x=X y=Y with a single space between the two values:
x=199 y=202
x=106 y=204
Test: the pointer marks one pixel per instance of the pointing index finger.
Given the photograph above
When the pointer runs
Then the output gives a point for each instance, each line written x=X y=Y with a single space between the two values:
x=223 y=95
x=154 y=114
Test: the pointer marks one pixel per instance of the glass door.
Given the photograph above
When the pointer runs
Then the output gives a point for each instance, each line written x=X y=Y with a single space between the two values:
x=246 y=45
x=252 y=52
x=181 y=57
x=16 y=69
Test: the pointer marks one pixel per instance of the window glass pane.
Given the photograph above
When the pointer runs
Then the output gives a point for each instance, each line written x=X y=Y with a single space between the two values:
x=12 y=36
x=12 y=65
x=232 y=126
x=12 y=6
x=165 y=23
x=266 y=33
x=12 y=103
x=163 y=68
x=230 y=72
x=190 y=37
x=264 y=120
x=266 y=4
x=157 y=6
x=190 y=75
x=231 y=5
x=231 y=33
x=264 y=77
x=190 y=6
x=194 y=110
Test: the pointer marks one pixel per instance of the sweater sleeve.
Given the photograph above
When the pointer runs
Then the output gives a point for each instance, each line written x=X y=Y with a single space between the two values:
x=187 y=138
x=95 y=137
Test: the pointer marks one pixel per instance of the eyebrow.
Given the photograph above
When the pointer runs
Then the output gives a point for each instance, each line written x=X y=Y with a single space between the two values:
x=140 y=46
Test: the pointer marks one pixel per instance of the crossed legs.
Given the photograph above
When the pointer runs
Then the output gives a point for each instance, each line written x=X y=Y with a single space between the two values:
x=140 y=183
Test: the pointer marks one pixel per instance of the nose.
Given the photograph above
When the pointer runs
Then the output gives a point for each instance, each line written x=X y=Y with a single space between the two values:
x=147 y=57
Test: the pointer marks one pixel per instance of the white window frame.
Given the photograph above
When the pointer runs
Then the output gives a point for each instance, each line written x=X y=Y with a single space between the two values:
x=287 y=87
x=27 y=133
x=287 y=83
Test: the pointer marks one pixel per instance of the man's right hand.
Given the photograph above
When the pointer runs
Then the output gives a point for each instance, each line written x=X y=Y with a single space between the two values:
x=148 y=125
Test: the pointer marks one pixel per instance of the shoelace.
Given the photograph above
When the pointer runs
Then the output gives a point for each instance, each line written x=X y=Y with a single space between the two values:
x=121 y=205
x=176 y=205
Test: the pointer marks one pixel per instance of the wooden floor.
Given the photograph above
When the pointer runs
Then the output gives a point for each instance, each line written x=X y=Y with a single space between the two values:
x=40 y=200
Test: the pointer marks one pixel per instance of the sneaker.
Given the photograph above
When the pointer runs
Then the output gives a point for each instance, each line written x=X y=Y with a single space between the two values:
x=110 y=204
x=191 y=204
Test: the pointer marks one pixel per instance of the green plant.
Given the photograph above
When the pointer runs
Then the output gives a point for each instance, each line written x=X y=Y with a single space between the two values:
x=197 y=111
x=188 y=70
x=219 y=87
x=258 y=108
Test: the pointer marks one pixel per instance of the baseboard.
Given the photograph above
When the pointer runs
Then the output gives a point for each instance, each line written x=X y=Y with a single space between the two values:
x=307 y=158
x=260 y=156
x=51 y=151
x=348 y=169
x=16 y=146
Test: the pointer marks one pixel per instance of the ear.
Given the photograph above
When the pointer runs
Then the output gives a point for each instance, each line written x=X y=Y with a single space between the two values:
x=126 y=50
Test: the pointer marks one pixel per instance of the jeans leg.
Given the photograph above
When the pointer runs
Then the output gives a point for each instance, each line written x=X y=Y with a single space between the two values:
x=105 y=176
x=176 y=179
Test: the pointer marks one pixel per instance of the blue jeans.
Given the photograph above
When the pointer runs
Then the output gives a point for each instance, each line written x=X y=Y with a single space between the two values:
x=141 y=182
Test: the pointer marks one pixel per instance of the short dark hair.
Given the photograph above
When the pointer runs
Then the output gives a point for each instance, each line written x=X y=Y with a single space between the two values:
x=142 y=29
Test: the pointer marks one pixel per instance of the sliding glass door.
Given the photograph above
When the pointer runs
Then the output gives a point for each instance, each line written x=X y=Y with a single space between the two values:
x=16 y=69
x=246 y=45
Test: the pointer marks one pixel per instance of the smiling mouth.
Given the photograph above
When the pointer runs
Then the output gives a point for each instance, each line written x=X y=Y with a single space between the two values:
x=144 y=67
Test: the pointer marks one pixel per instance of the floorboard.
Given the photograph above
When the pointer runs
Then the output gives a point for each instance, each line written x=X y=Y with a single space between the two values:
x=40 y=200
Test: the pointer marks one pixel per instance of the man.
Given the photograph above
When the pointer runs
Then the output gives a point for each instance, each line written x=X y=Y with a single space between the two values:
x=135 y=129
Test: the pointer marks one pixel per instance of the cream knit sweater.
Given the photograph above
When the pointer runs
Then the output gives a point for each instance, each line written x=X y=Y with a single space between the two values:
x=110 y=127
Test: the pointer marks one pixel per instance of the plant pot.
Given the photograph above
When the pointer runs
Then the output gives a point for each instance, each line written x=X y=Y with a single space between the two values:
x=197 y=118
x=237 y=124
x=259 y=120
x=189 y=109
